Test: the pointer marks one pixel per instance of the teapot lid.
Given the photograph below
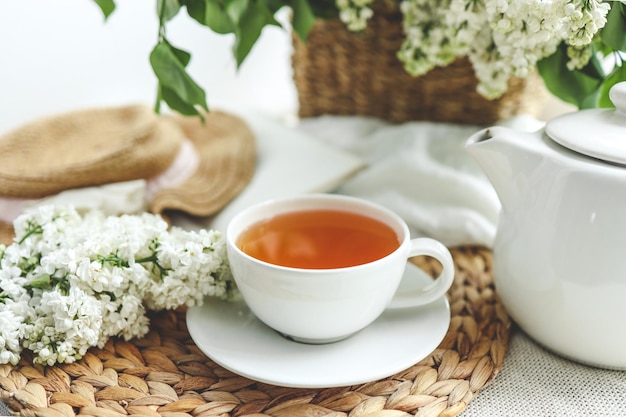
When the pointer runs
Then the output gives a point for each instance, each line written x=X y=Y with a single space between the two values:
x=599 y=133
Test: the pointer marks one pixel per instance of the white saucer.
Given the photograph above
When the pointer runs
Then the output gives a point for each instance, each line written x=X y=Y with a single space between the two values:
x=234 y=338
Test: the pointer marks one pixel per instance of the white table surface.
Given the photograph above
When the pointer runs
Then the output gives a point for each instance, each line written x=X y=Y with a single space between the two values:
x=536 y=382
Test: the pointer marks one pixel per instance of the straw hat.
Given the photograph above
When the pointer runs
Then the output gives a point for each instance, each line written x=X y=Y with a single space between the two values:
x=227 y=150
x=108 y=145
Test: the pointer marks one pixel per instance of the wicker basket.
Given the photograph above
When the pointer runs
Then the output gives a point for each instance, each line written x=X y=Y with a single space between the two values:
x=339 y=72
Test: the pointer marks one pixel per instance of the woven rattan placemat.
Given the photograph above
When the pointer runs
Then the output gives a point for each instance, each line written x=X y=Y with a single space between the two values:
x=165 y=374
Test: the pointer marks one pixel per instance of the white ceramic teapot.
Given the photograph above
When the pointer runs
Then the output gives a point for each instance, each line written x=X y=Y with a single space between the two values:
x=559 y=257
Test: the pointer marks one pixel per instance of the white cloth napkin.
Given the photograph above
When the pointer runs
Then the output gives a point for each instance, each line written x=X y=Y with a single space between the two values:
x=421 y=171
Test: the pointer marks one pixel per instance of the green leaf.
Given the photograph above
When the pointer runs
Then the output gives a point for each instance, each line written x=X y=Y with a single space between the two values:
x=575 y=87
x=173 y=78
x=324 y=9
x=250 y=17
x=107 y=7
x=42 y=282
x=594 y=68
x=235 y=8
x=175 y=102
x=211 y=13
x=275 y=5
x=183 y=57
x=216 y=18
x=613 y=32
x=617 y=75
x=303 y=18
x=167 y=9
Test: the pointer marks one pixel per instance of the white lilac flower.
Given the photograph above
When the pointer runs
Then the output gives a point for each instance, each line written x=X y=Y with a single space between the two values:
x=122 y=316
x=66 y=325
x=578 y=56
x=501 y=38
x=45 y=227
x=11 y=282
x=69 y=283
x=355 y=13
x=430 y=39
x=584 y=19
x=11 y=323
x=194 y=262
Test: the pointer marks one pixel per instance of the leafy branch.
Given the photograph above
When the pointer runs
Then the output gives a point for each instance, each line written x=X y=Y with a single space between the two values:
x=245 y=19
x=589 y=86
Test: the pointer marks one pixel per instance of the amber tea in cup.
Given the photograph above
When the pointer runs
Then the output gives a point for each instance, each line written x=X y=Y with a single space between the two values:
x=320 y=267
x=319 y=239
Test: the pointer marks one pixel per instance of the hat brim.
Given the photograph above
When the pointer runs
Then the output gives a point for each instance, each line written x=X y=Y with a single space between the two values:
x=227 y=151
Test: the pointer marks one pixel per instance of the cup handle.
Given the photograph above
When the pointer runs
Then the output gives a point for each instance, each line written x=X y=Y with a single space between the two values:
x=434 y=290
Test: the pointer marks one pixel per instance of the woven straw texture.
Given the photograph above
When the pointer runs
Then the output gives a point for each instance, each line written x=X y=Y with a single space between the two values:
x=85 y=148
x=339 y=72
x=165 y=374
x=227 y=149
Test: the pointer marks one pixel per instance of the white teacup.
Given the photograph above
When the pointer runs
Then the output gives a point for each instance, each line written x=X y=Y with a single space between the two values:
x=327 y=305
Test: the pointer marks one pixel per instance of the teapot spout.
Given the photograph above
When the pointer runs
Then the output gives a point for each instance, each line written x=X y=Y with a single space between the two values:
x=507 y=157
